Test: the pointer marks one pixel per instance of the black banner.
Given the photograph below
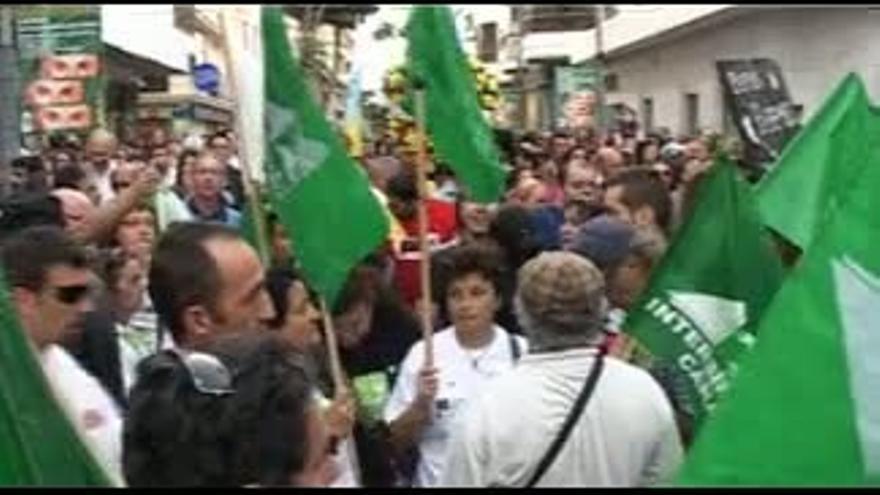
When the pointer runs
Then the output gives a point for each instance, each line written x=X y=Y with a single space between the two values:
x=758 y=97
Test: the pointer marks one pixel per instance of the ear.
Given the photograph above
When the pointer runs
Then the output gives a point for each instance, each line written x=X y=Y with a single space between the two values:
x=197 y=323
x=25 y=302
x=644 y=217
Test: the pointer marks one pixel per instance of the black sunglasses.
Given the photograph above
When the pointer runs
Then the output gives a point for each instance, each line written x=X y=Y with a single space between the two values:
x=72 y=294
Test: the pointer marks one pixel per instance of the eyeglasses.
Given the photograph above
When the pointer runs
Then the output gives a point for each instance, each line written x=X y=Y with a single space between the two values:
x=209 y=375
x=72 y=294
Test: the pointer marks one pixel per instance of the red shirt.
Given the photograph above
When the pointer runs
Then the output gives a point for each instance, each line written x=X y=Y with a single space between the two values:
x=442 y=228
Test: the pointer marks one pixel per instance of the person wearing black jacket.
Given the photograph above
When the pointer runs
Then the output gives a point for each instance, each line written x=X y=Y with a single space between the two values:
x=374 y=330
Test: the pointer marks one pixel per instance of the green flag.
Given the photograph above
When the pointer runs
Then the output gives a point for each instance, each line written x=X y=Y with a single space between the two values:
x=249 y=233
x=38 y=444
x=320 y=195
x=807 y=184
x=805 y=408
x=705 y=296
x=460 y=134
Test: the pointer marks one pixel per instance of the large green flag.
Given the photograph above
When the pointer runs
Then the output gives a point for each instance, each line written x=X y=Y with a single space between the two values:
x=805 y=408
x=704 y=298
x=38 y=444
x=807 y=183
x=455 y=122
x=321 y=196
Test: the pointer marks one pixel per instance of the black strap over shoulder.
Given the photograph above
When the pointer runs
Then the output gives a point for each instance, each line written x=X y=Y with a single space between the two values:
x=515 y=351
x=573 y=416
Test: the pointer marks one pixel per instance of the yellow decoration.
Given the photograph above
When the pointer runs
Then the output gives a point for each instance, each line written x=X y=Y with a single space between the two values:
x=394 y=86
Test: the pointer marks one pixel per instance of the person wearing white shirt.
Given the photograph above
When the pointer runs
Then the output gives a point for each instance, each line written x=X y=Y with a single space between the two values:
x=625 y=436
x=425 y=401
x=52 y=289
x=99 y=163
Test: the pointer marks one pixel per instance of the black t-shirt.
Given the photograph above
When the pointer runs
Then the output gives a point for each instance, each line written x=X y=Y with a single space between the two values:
x=393 y=330
x=372 y=369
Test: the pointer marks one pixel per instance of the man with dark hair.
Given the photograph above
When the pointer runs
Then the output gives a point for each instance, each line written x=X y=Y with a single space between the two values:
x=205 y=280
x=20 y=211
x=560 y=145
x=52 y=289
x=29 y=174
x=221 y=146
x=50 y=280
x=71 y=177
x=403 y=200
x=639 y=197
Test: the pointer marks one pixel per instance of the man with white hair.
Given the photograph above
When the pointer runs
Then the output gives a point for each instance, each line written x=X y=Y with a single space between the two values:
x=99 y=151
x=625 y=433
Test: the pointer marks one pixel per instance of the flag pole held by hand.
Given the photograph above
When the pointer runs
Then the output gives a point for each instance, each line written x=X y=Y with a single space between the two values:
x=422 y=182
x=339 y=384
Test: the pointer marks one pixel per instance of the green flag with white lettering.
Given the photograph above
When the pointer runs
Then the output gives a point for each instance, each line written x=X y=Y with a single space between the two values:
x=805 y=407
x=38 y=443
x=321 y=196
x=454 y=119
x=709 y=290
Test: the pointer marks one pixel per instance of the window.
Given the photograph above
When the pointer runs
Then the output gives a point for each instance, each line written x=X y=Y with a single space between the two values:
x=648 y=114
x=692 y=114
x=611 y=82
x=728 y=126
x=487 y=42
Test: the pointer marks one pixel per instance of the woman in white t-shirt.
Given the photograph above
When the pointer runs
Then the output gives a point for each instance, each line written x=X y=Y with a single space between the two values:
x=426 y=400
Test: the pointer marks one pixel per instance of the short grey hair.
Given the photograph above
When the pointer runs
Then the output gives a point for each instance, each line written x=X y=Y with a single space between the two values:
x=577 y=330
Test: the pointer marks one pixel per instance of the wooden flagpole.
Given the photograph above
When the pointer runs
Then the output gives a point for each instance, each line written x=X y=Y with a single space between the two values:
x=424 y=248
x=249 y=182
x=336 y=372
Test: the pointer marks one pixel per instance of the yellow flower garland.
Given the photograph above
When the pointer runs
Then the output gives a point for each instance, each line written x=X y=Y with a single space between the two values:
x=402 y=128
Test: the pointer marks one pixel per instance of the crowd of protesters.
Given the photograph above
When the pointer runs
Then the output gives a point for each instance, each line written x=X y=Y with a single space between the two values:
x=187 y=361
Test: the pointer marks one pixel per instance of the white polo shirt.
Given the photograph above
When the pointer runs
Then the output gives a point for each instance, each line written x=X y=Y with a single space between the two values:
x=627 y=435
x=463 y=373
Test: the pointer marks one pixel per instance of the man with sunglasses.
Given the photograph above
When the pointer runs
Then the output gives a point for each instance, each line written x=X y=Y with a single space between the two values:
x=51 y=286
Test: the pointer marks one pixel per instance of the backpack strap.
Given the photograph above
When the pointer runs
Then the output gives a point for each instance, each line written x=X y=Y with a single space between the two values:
x=515 y=351
x=573 y=416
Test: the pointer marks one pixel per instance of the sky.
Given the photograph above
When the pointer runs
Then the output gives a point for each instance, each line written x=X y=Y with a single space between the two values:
x=378 y=57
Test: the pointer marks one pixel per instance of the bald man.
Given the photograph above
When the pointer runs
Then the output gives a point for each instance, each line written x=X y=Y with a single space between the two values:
x=99 y=151
x=77 y=210
x=609 y=160
x=89 y=223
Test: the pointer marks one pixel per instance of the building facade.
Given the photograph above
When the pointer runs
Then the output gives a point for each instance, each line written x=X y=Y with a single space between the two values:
x=671 y=80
